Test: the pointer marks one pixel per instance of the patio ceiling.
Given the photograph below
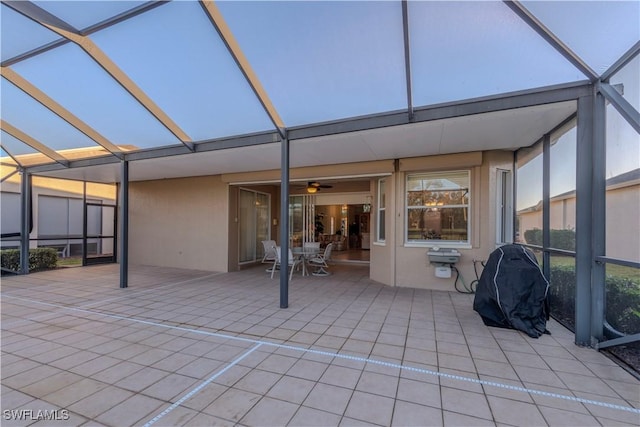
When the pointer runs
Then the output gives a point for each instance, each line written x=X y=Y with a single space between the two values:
x=508 y=130
x=198 y=88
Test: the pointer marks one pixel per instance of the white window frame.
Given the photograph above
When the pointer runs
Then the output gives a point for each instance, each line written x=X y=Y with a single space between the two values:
x=439 y=243
x=504 y=207
x=380 y=208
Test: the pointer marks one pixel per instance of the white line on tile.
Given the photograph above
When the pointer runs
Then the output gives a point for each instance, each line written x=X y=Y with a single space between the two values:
x=155 y=288
x=201 y=386
x=134 y=293
x=344 y=356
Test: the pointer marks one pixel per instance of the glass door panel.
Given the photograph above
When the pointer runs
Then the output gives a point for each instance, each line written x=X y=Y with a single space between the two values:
x=99 y=236
x=247 y=217
x=301 y=220
x=262 y=223
x=253 y=214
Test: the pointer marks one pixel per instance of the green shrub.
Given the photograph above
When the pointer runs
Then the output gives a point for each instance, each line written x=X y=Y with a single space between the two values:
x=10 y=259
x=563 y=239
x=622 y=299
x=623 y=304
x=563 y=293
x=39 y=259
x=559 y=239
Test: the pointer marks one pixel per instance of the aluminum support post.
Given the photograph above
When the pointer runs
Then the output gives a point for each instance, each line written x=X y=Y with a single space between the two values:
x=584 y=220
x=284 y=223
x=85 y=224
x=407 y=58
x=598 y=224
x=25 y=221
x=124 y=224
x=546 y=214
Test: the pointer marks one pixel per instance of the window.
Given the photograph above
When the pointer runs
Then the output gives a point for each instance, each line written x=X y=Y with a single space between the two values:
x=10 y=213
x=438 y=207
x=382 y=205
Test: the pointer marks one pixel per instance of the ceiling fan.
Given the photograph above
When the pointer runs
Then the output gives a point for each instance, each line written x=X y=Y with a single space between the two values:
x=315 y=186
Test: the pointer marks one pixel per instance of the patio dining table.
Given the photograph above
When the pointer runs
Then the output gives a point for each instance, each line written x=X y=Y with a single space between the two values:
x=305 y=254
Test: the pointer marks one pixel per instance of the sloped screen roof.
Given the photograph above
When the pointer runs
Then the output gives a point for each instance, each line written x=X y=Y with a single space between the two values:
x=117 y=77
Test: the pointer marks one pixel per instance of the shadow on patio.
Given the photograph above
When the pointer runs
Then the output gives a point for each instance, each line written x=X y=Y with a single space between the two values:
x=183 y=347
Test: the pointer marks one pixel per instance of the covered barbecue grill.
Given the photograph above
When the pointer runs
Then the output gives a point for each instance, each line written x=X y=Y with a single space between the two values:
x=512 y=291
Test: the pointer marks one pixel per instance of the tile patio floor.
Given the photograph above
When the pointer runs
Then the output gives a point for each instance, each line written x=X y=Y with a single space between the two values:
x=182 y=347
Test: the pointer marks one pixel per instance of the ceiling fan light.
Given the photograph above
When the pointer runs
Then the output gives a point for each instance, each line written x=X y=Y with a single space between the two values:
x=312 y=190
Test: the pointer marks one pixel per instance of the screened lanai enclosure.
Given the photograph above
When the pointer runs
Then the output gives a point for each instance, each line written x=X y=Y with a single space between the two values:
x=113 y=110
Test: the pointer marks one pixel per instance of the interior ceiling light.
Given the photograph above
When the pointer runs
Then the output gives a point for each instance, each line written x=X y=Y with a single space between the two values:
x=315 y=186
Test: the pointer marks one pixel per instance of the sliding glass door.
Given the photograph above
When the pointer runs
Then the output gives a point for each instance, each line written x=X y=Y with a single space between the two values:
x=254 y=213
x=301 y=219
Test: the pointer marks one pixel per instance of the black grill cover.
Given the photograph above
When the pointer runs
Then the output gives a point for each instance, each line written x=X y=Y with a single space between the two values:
x=512 y=291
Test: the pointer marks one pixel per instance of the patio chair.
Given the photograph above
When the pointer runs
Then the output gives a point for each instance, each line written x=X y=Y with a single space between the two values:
x=320 y=261
x=293 y=262
x=269 y=251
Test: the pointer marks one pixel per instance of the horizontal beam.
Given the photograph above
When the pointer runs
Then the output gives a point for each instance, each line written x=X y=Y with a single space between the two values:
x=83 y=163
x=618 y=341
x=355 y=124
x=507 y=101
x=488 y=104
x=561 y=251
x=237 y=142
x=617 y=261
x=528 y=98
x=154 y=153
x=174 y=150
x=206 y=145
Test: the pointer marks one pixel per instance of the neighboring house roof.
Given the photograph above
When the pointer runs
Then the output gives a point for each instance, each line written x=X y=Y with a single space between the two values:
x=624 y=179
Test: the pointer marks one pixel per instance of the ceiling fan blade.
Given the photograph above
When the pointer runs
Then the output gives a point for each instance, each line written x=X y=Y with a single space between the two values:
x=316 y=184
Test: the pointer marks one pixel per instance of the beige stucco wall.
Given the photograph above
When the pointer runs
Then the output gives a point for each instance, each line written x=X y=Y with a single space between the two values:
x=399 y=264
x=382 y=254
x=623 y=219
x=528 y=221
x=623 y=222
x=562 y=213
x=179 y=223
